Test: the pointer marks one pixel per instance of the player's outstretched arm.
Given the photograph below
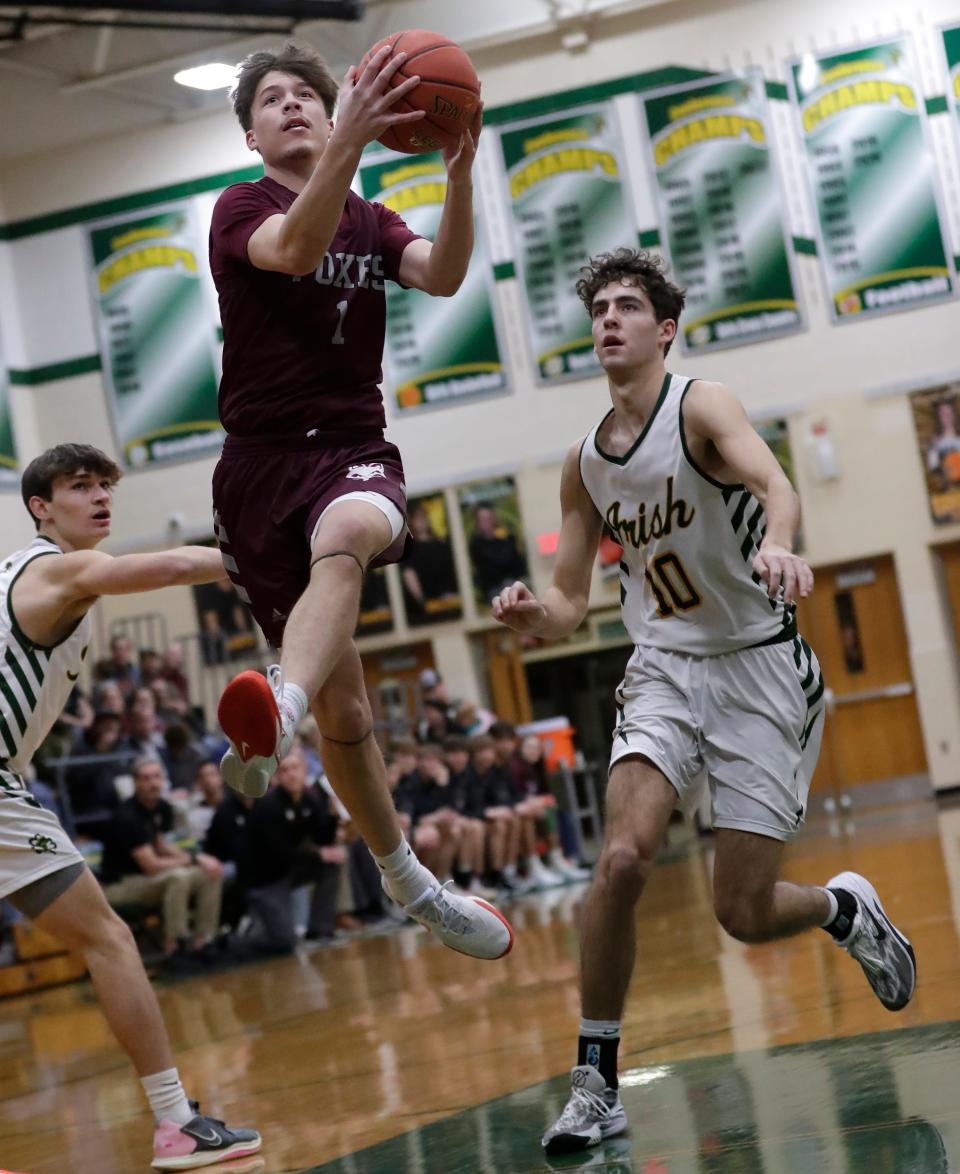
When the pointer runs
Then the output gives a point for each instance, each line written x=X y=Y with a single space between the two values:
x=564 y=603
x=296 y=241
x=85 y=574
x=439 y=267
x=712 y=412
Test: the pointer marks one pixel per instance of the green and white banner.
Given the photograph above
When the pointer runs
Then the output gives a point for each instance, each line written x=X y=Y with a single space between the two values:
x=9 y=470
x=440 y=351
x=721 y=210
x=565 y=190
x=861 y=118
x=951 y=49
x=158 y=339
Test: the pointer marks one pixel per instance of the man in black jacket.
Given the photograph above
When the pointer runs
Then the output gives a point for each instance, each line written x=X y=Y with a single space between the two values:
x=291 y=842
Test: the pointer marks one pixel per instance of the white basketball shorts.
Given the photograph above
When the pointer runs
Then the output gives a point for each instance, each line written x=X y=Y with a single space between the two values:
x=750 y=721
x=33 y=843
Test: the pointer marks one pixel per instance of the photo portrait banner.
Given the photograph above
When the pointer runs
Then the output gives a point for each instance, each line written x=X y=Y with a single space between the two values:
x=936 y=417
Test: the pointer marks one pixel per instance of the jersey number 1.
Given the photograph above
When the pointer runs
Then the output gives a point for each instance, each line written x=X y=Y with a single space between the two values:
x=342 y=308
x=667 y=577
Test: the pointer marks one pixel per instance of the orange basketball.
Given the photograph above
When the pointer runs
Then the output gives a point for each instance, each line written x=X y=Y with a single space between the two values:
x=448 y=93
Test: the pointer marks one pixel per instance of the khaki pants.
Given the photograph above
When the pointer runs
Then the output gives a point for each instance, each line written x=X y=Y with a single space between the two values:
x=172 y=891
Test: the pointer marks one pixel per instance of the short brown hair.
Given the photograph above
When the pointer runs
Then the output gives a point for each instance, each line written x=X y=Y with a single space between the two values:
x=481 y=742
x=633 y=267
x=299 y=60
x=63 y=460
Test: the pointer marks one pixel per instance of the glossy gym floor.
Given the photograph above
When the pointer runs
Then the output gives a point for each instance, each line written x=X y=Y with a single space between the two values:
x=389 y=1053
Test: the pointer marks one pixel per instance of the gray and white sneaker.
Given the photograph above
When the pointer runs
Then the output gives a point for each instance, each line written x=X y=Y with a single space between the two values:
x=466 y=924
x=592 y=1114
x=884 y=954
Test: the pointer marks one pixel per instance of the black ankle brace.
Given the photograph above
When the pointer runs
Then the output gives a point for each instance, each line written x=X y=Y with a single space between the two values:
x=337 y=554
x=345 y=742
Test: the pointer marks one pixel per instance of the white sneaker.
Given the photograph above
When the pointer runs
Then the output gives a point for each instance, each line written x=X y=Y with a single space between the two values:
x=593 y=1113
x=479 y=889
x=465 y=924
x=542 y=877
x=249 y=714
x=570 y=872
x=885 y=955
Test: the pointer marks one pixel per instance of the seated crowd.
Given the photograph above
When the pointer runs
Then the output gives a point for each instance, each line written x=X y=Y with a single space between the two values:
x=219 y=875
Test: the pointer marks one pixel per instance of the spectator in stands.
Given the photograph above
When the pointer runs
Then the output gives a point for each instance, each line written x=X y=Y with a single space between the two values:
x=474 y=719
x=468 y=802
x=91 y=786
x=151 y=666
x=291 y=842
x=181 y=756
x=435 y=808
x=206 y=794
x=120 y=667
x=226 y=837
x=107 y=698
x=497 y=799
x=141 y=866
x=143 y=735
x=439 y=712
x=172 y=670
x=536 y=804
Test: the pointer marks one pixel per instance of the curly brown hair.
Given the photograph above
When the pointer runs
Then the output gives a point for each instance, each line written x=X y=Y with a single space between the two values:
x=299 y=60
x=633 y=267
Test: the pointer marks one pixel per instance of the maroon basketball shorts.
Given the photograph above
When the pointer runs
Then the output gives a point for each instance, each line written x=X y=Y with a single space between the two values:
x=268 y=495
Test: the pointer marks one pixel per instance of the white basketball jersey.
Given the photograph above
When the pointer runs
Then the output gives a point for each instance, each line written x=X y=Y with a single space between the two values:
x=35 y=682
x=686 y=576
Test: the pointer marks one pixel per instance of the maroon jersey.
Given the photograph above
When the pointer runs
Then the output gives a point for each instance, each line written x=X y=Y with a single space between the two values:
x=303 y=353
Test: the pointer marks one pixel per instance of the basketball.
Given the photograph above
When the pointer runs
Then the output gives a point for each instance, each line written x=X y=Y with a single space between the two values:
x=448 y=93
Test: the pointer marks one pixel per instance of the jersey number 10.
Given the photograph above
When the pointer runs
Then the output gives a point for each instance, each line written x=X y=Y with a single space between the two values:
x=671 y=585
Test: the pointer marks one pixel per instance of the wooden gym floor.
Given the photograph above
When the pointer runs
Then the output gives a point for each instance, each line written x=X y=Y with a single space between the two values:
x=392 y=1054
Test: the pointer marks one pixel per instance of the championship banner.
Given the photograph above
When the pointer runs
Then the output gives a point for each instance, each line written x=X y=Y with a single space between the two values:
x=9 y=471
x=158 y=340
x=565 y=189
x=861 y=117
x=439 y=351
x=951 y=49
x=721 y=211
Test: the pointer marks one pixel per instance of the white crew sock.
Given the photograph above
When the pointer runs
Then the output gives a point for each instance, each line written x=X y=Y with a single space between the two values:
x=406 y=877
x=166 y=1096
x=293 y=705
x=556 y=860
x=834 y=907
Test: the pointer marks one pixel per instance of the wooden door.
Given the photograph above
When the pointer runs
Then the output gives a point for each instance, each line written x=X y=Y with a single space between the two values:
x=854 y=620
x=950 y=561
x=509 y=694
x=392 y=678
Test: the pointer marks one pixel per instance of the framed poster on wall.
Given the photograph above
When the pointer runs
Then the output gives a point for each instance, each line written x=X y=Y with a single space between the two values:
x=936 y=418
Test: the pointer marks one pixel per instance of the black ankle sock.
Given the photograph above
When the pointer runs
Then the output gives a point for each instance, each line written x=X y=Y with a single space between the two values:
x=462 y=877
x=600 y=1053
x=841 y=925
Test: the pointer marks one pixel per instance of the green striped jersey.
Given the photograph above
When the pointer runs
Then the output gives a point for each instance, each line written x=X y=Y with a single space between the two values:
x=687 y=581
x=35 y=682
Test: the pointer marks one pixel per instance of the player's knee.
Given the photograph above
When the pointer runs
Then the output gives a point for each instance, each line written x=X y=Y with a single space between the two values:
x=344 y=717
x=623 y=868
x=745 y=918
x=104 y=931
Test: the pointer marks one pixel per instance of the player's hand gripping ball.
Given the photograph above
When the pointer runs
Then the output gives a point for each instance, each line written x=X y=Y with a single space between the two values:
x=448 y=93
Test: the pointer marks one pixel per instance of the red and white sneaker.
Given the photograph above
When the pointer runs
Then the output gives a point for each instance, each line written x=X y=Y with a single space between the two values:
x=201 y=1142
x=250 y=716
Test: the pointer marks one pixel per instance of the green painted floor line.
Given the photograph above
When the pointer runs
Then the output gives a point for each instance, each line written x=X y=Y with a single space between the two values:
x=883 y=1103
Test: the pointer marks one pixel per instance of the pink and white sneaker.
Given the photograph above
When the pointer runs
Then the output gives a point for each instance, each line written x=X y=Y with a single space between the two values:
x=201 y=1142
